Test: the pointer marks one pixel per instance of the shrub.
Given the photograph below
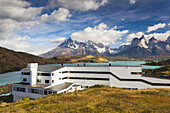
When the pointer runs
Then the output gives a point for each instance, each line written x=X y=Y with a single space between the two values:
x=25 y=98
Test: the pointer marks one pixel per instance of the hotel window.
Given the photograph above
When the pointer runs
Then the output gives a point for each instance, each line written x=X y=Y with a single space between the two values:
x=14 y=88
x=24 y=79
x=54 y=91
x=52 y=74
x=52 y=81
x=59 y=78
x=39 y=80
x=47 y=81
x=19 y=89
x=25 y=73
x=49 y=92
x=36 y=91
x=44 y=74
x=45 y=92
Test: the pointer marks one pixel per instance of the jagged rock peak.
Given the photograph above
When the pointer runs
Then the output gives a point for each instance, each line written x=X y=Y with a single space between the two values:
x=66 y=43
x=135 y=41
x=69 y=40
x=143 y=37
x=152 y=39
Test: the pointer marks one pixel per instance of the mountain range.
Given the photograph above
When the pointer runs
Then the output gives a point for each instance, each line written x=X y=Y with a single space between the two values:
x=137 y=49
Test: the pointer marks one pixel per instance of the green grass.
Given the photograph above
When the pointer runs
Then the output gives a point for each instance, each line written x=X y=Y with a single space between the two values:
x=95 y=100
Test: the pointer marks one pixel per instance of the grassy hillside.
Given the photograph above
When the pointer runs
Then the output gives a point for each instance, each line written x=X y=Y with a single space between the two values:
x=12 y=61
x=95 y=100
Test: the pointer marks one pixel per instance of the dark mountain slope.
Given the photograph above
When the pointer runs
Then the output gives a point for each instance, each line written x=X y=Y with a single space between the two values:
x=135 y=52
x=13 y=61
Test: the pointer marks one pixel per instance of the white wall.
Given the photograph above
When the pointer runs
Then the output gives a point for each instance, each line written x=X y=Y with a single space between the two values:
x=33 y=67
x=125 y=72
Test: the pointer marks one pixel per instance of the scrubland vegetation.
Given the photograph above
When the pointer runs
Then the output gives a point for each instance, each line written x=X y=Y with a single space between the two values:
x=95 y=100
x=5 y=88
x=163 y=72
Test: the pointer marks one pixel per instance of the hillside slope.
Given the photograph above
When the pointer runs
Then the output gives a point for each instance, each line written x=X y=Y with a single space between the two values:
x=95 y=100
x=12 y=61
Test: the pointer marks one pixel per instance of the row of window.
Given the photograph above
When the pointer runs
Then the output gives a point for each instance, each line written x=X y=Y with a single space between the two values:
x=46 y=81
x=20 y=89
x=86 y=78
x=39 y=80
x=89 y=72
x=46 y=92
x=35 y=91
x=39 y=74
x=44 y=74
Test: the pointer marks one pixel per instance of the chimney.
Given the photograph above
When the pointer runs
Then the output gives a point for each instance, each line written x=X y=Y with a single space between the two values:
x=33 y=67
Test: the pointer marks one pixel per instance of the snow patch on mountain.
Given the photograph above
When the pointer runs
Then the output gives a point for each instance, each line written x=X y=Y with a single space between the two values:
x=75 y=46
x=100 y=50
x=143 y=43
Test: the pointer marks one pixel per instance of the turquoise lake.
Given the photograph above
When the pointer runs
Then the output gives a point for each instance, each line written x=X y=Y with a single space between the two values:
x=13 y=77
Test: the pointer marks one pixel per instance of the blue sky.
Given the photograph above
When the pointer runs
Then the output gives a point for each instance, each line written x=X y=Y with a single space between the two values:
x=37 y=26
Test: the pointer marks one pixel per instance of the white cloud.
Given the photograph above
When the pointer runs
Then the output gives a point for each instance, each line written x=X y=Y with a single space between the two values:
x=82 y=5
x=155 y=27
x=61 y=14
x=131 y=36
x=158 y=36
x=22 y=44
x=17 y=15
x=99 y=34
x=132 y=1
x=58 y=40
x=6 y=28
x=16 y=10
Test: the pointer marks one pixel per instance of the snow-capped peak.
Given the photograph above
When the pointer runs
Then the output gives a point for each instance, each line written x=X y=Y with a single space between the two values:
x=143 y=43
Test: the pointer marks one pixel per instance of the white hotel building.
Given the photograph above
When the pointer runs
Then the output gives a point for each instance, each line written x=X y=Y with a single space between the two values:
x=39 y=81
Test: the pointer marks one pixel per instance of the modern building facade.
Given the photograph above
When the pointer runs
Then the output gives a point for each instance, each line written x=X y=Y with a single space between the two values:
x=39 y=81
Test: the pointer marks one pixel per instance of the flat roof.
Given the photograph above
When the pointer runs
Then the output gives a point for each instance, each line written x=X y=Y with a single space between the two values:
x=60 y=87
x=48 y=68
x=35 y=86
